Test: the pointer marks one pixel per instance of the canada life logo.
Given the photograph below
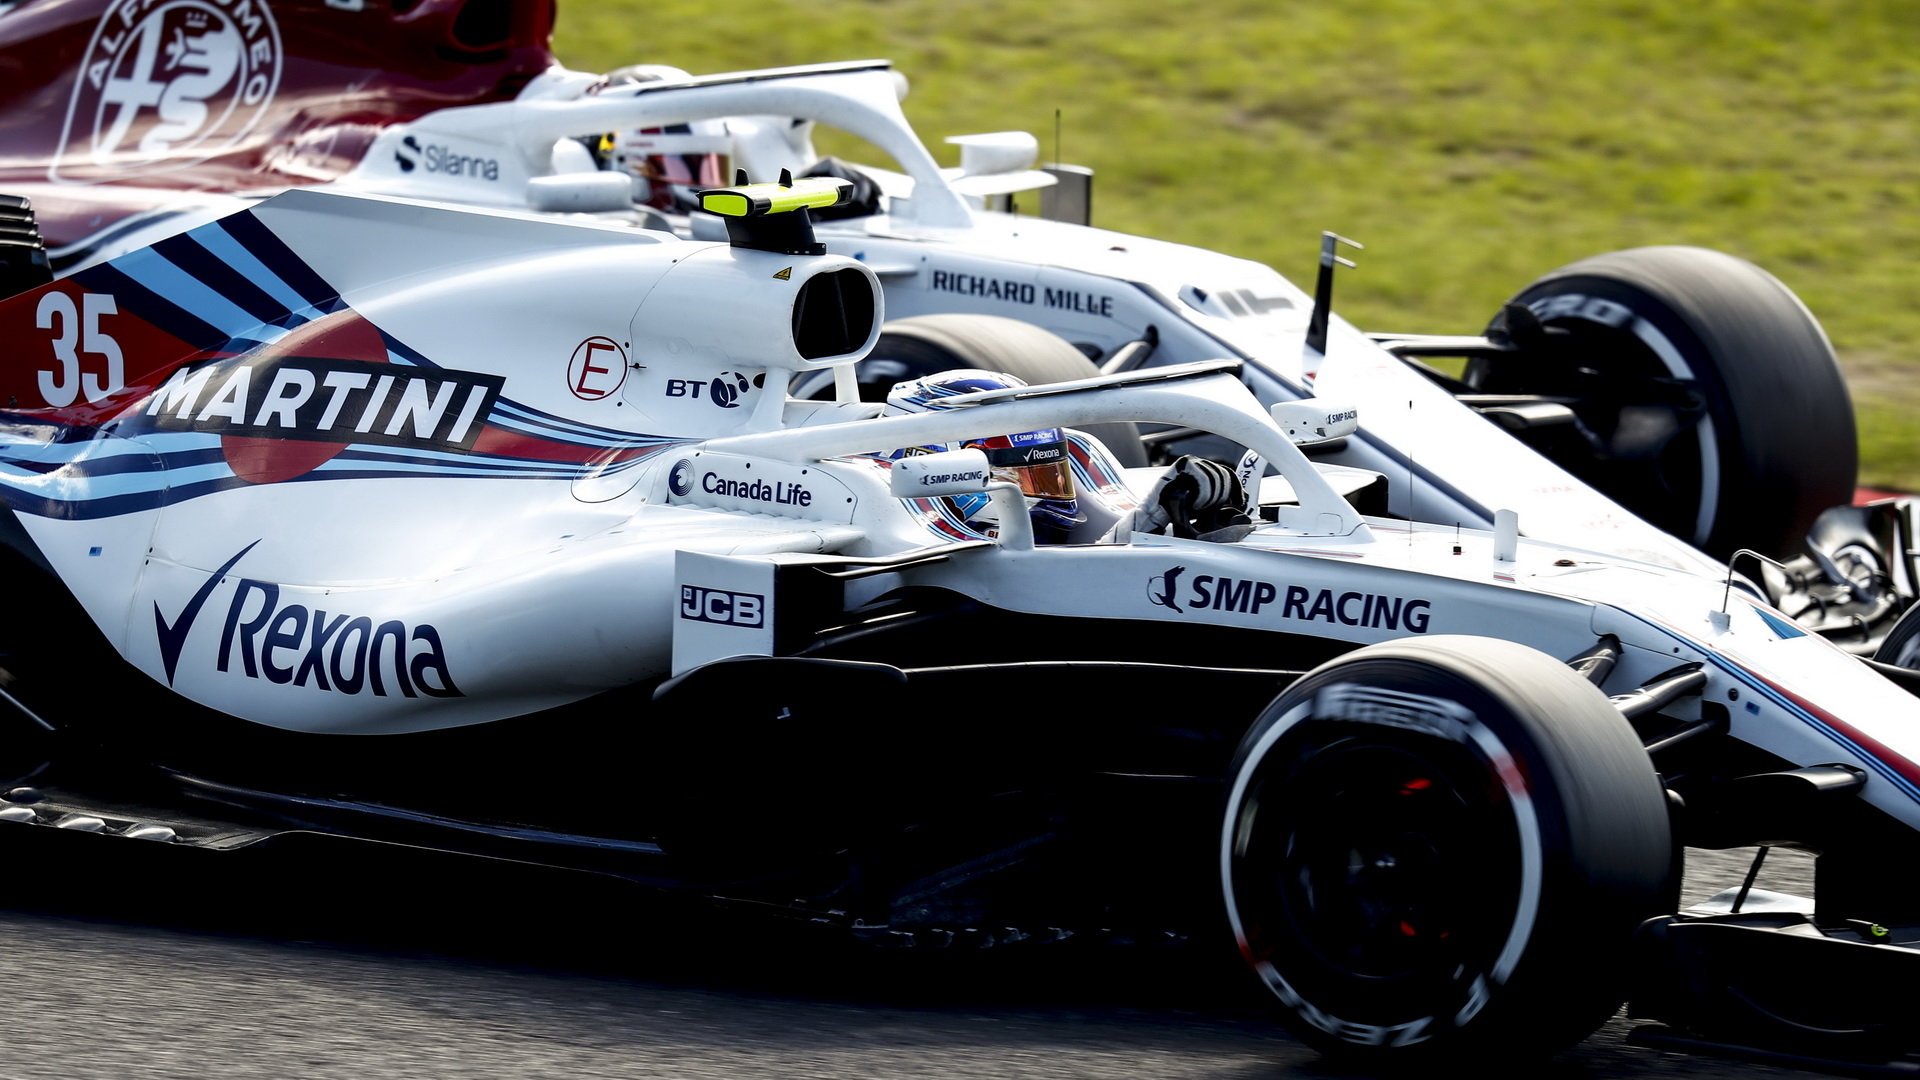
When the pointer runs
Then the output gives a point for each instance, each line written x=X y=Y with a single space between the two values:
x=680 y=480
x=168 y=84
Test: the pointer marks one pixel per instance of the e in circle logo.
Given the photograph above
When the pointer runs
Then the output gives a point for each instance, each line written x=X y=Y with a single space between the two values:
x=598 y=368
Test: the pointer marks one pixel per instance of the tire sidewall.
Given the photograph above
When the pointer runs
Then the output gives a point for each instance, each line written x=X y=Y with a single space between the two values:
x=1673 y=344
x=1560 y=922
x=1901 y=647
x=1783 y=444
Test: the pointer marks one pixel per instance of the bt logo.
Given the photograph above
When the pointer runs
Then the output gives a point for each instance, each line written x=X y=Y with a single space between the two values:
x=725 y=390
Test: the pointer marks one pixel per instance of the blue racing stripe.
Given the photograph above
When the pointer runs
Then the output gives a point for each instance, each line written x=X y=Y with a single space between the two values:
x=277 y=257
x=547 y=426
x=136 y=299
x=470 y=465
x=353 y=467
x=163 y=278
x=222 y=246
x=1761 y=687
x=1823 y=728
x=186 y=253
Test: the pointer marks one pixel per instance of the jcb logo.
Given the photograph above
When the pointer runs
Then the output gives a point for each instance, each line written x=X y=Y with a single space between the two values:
x=747 y=610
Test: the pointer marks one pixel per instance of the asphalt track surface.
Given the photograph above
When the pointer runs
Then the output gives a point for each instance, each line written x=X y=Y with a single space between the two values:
x=118 y=968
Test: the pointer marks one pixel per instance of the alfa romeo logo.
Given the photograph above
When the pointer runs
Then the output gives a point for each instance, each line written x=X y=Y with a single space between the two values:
x=168 y=83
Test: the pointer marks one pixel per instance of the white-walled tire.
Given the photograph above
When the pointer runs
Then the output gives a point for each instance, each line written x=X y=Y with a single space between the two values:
x=1901 y=648
x=1440 y=848
x=1708 y=397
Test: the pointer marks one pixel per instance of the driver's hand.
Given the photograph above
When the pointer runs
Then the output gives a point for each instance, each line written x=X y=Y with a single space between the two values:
x=1197 y=499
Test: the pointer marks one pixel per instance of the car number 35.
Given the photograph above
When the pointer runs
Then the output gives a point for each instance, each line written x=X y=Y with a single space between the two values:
x=62 y=385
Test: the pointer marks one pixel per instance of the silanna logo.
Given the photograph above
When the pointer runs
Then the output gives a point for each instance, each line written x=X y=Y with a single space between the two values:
x=292 y=644
x=166 y=84
x=436 y=158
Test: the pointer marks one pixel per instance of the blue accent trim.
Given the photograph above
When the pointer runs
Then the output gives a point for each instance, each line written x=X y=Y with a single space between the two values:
x=186 y=253
x=545 y=425
x=280 y=259
x=221 y=245
x=161 y=277
x=399 y=352
x=1758 y=686
x=136 y=299
x=1873 y=761
x=1782 y=627
x=42 y=495
x=455 y=465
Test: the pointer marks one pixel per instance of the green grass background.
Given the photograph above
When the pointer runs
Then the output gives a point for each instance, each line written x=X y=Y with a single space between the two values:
x=1470 y=144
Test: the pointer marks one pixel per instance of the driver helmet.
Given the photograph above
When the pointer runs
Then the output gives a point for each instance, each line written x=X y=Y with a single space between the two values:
x=670 y=165
x=1038 y=461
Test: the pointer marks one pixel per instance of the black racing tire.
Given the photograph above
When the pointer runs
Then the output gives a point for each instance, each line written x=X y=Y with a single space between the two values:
x=1439 y=849
x=1901 y=646
x=1649 y=340
x=925 y=344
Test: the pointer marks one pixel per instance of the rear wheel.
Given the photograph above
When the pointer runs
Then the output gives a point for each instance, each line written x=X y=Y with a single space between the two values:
x=1706 y=397
x=1442 y=847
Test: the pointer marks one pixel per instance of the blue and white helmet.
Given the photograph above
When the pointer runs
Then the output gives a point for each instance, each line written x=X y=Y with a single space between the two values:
x=1038 y=461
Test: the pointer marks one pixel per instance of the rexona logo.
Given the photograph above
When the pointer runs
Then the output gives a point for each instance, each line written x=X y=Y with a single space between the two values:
x=445 y=160
x=1251 y=596
x=338 y=401
x=167 y=83
x=701 y=604
x=292 y=644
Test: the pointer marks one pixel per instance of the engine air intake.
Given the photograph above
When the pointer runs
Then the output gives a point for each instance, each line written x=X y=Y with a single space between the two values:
x=833 y=314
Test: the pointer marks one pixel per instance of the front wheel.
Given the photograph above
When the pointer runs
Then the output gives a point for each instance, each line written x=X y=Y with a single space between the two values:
x=1901 y=647
x=1706 y=397
x=1441 y=847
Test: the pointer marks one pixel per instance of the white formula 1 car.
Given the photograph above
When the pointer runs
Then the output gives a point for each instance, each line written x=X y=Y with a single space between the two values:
x=1671 y=387
x=362 y=503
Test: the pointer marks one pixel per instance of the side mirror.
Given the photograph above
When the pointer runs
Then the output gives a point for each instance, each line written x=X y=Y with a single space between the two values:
x=1311 y=420
x=1070 y=199
x=580 y=193
x=955 y=472
x=965 y=472
x=996 y=152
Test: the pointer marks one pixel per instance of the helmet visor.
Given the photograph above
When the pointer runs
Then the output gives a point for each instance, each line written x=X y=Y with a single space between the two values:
x=692 y=170
x=1035 y=460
